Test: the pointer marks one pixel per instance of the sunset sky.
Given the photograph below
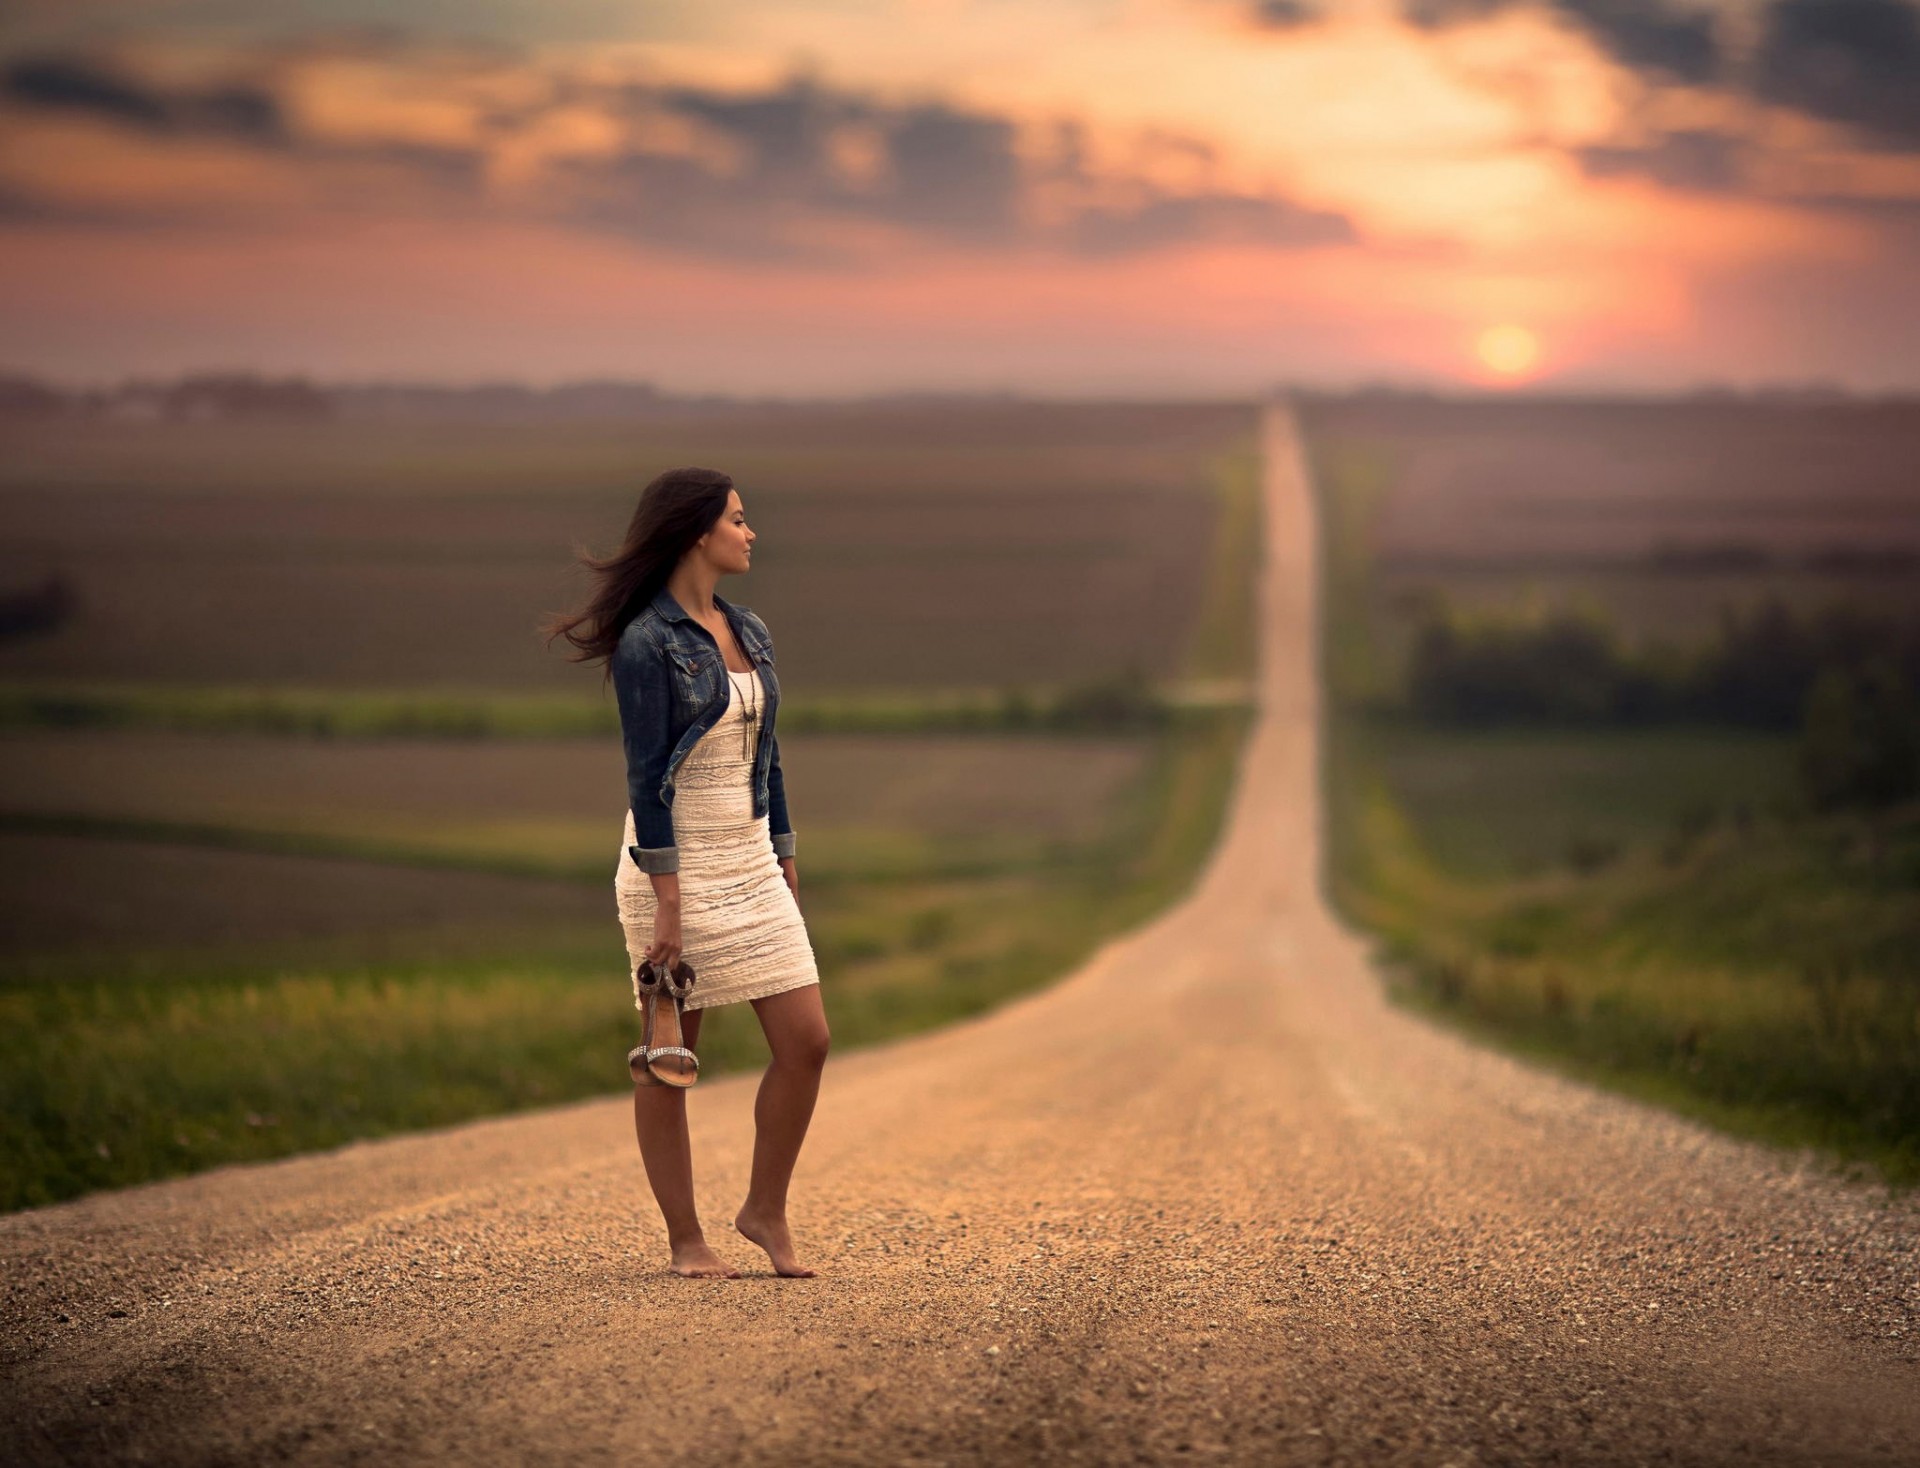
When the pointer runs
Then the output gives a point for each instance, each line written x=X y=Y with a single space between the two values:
x=1063 y=196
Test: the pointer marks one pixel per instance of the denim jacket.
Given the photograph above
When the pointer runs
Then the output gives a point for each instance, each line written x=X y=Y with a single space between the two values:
x=671 y=684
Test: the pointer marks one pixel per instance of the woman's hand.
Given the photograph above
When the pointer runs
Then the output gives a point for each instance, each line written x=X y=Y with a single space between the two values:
x=792 y=874
x=664 y=951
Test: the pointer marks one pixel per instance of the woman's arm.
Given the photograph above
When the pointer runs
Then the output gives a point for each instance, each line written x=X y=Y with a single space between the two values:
x=777 y=821
x=641 y=689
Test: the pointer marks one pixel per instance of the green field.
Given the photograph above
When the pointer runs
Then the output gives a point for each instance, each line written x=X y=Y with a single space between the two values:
x=347 y=886
x=1507 y=803
x=1655 y=909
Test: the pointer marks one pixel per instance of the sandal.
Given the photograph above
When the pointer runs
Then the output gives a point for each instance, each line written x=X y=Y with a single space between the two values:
x=646 y=983
x=672 y=1063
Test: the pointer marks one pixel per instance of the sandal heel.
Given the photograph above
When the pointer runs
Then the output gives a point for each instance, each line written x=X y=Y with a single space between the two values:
x=678 y=983
x=646 y=982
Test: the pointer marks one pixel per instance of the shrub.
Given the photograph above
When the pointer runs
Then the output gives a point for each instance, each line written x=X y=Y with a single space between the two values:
x=1860 y=738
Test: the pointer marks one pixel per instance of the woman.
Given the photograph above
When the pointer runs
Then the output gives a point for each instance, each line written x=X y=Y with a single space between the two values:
x=707 y=865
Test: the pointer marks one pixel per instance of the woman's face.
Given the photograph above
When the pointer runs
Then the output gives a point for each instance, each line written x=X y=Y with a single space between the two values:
x=729 y=544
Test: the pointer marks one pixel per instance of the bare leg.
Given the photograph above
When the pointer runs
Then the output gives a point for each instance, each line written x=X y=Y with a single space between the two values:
x=660 y=1122
x=796 y=1028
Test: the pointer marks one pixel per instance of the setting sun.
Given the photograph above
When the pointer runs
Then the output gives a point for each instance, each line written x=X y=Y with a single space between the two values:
x=1507 y=350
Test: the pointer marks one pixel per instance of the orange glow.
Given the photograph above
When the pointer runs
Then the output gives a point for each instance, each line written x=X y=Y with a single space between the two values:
x=1507 y=350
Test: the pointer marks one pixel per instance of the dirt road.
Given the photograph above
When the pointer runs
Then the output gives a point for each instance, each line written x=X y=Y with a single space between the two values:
x=1209 y=1198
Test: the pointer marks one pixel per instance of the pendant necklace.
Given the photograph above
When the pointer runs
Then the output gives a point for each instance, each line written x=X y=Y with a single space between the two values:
x=746 y=719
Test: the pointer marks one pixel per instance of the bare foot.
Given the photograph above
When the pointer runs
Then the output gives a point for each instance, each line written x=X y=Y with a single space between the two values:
x=698 y=1261
x=771 y=1234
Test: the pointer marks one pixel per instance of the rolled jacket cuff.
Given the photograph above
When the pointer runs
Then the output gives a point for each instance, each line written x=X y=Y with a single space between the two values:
x=783 y=843
x=655 y=858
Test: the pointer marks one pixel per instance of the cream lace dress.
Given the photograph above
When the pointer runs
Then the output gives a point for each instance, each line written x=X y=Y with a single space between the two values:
x=739 y=924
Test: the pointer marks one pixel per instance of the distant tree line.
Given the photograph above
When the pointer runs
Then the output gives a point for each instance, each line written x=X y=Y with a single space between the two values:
x=1845 y=678
x=1677 y=558
x=194 y=398
x=225 y=396
x=247 y=395
x=1694 y=558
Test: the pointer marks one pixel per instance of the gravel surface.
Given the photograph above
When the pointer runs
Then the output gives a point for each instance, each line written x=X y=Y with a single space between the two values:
x=1208 y=1198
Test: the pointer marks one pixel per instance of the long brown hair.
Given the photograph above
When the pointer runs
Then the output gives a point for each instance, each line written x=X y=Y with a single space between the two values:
x=675 y=510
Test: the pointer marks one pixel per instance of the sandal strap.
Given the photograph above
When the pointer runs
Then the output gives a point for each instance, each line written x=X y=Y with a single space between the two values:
x=673 y=1050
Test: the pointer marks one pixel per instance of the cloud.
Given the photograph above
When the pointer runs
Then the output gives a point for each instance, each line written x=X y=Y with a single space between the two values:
x=1852 y=65
x=927 y=166
x=952 y=170
x=1688 y=158
x=1849 y=61
x=793 y=170
x=1224 y=218
x=1855 y=62
x=1651 y=35
x=1285 y=15
x=799 y=154
x=79 y=85
x=1837 y=185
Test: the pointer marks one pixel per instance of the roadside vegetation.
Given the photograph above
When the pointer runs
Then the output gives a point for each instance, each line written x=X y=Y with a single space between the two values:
x=1684 y=865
